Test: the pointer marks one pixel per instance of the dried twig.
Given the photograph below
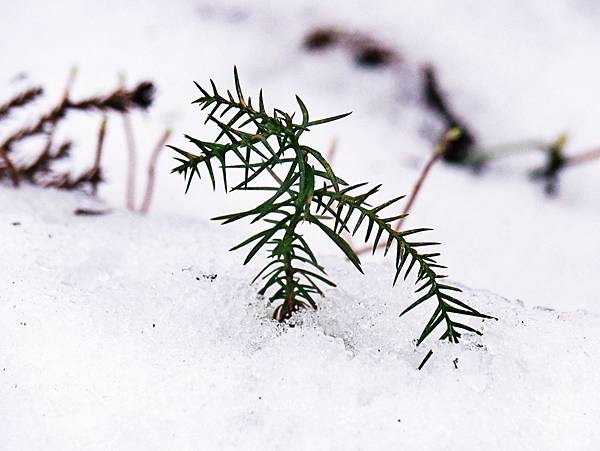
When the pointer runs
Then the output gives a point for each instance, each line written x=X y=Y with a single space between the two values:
x=152 y=170
x=120 y=100
x=451 y=135
x=95 y=175
x=92 y=176
x=10 y=167
x=20 y=100
x=583 y=157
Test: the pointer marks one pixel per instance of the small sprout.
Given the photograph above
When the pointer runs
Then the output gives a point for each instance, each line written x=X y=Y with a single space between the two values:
x=305 y=191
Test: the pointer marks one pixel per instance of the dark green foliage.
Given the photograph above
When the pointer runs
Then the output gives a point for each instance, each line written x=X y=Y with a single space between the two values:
x=255 y=143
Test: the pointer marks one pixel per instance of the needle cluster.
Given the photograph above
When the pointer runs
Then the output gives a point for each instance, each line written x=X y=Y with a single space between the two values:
x=258 y=145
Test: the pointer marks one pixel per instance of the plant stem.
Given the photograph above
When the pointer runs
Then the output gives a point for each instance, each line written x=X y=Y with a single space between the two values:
x=450 y=136
x=20 y=100
x=152 y=171
x=583 y=157
x=439 y=152
x=482 y=155
x=99 y=146
x=131 y=162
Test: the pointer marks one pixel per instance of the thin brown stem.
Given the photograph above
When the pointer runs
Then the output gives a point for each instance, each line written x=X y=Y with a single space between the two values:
x=275 y=176
x=152 y=171
x=450 y=136
x=439 y=152
x=95 y=171
x=583 y=157
x=51 y=118
x=69 y=84
x=20 y=100
x=10 y=167
x=131 y=162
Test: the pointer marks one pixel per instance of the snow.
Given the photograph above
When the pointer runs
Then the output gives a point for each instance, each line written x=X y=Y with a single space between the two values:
x=115 y=332
x=124 y=332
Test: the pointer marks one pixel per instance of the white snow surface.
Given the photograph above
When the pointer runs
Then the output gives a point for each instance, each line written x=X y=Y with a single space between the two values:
x=122 y=332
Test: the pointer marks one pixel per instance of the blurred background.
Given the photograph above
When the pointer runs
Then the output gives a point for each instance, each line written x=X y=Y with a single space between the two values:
x=515 y=74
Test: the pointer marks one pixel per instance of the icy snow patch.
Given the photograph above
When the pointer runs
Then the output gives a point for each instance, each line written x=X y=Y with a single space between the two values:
x=123 y=332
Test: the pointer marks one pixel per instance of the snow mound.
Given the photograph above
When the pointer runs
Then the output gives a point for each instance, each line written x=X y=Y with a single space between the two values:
x=123 y=332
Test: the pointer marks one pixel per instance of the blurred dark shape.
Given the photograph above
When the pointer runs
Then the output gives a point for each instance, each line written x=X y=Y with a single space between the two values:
x=555 y=163
x=458 y=151
x=120 y=100
x=143 y=94
x=39 y=170
x=373 y=56
x=366 y=51
x=320 y=39
x=89 y=212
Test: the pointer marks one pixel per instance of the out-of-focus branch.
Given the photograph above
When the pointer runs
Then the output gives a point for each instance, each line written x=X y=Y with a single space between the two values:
x=583 y=157
x=451 y=135
x=148 y=195
x=20 y=100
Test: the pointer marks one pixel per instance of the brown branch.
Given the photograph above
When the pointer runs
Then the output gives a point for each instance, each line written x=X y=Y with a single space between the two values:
x=120 y=100
x=20 y=100
x=12 y=170
x=583 y=157
x=131 y=162
x=43 y=159
x=451 y=136
x=95 y=174
x=92 y=176
x=152 y=171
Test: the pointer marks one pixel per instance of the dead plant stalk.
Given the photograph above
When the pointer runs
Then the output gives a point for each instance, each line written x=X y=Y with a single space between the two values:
x=450 y=136
x=152 y=171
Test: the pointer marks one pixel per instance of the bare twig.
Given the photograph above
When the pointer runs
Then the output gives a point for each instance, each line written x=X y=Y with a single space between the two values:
x=152 y=170
x=131 y=156
x=583 y=157
x=95 y=175
x=12 y=170
x=92 y=176
x=119 y=100
x=131 y=162
x=451 y=135
x=69 y=84
x=482 y=155
x=21 y=99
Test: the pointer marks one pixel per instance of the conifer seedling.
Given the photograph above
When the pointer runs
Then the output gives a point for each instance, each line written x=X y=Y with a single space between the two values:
x=258 y=144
